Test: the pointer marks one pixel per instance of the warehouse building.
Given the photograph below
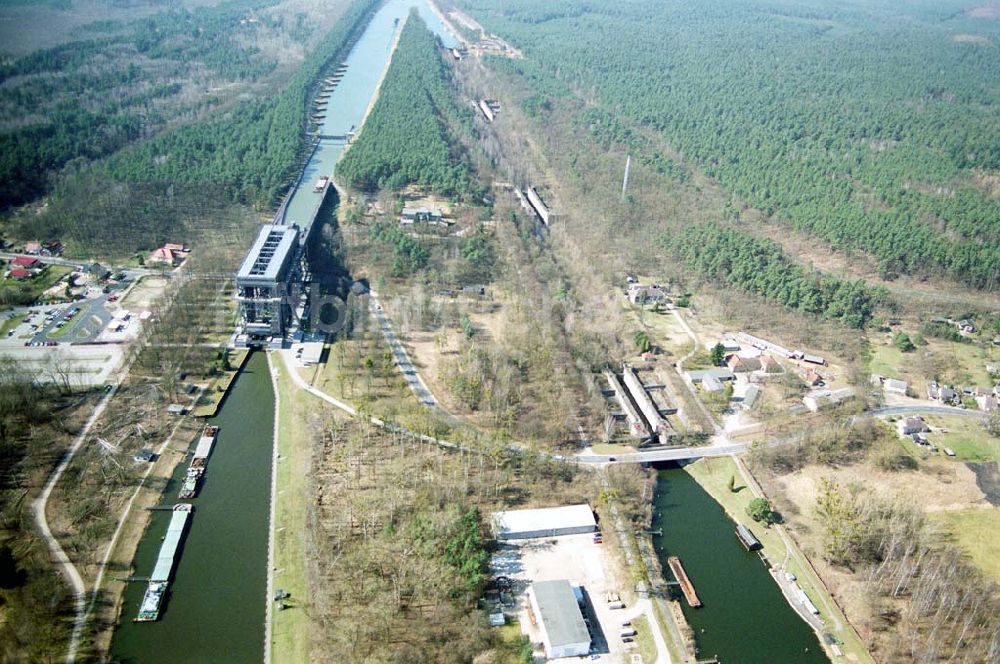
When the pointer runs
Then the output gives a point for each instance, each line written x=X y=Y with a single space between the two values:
x=546 y=522
x=564 y=633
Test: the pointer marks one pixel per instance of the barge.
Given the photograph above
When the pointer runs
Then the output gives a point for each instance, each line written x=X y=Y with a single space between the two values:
x=747 y=538
x=189 y=489
x=682 y=578
x=159 y=580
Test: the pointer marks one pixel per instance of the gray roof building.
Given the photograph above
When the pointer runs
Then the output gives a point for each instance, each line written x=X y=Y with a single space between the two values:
x=564 y=634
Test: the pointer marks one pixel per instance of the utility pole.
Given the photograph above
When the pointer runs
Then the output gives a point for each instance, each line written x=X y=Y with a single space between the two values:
x=628 y=164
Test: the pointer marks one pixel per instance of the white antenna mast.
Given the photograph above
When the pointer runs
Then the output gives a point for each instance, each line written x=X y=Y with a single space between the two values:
x=628 y=164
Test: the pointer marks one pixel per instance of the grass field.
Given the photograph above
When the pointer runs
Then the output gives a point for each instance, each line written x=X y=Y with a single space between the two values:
x=291 y=627
x=966 y=437
x=644 y=638
x=947 y=361
x=10 y=323
x=975 y=532
x=713 y=475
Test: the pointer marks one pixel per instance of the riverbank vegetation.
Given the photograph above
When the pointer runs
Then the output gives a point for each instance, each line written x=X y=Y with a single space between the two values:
x=408 y=137
x=860 y=505
x=889 y=156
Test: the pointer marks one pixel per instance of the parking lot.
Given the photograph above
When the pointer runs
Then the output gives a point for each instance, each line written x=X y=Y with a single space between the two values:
x=73 y=342
x=581 y=561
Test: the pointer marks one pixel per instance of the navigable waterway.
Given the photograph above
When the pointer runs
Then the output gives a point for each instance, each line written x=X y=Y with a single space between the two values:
x=350 y=98
x=215 y=608
x=745 y=618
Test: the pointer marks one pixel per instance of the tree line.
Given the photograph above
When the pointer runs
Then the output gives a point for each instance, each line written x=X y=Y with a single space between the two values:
x=761 y=267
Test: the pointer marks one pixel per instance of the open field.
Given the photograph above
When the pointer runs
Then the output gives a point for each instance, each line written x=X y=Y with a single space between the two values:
x=965 y=436
x=975 y=532
x=949 y=362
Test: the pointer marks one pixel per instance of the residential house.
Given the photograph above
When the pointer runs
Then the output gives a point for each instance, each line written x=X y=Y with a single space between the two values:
x=20 y=273
x=411 y=215
x=162 y=255
x=911 y=425
x=646 y=294
x=987 y=402
x=816 y=401
x=711 y=384
x=937 y=392
x=33 y=248
x=812 y=377
x=739 y=364
x=729 y=345
x=26 y=262
x=171 y=253
x=770 y=365
x=719 y=373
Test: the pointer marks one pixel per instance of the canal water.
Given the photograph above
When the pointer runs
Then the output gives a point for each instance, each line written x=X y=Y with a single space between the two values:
x=215 y=608
x=349 y=100
x=745 y=618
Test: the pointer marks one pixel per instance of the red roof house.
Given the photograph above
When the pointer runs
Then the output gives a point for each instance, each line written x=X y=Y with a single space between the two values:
x=26 y=261
x=19 y=273
x=161 y=255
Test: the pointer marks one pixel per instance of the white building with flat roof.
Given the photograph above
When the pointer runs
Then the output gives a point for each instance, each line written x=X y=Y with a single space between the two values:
x=545 y=522
x=564 y=633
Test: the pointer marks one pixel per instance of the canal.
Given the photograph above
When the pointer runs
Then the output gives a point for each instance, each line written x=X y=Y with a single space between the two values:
x=745 y=618
x=215 y=609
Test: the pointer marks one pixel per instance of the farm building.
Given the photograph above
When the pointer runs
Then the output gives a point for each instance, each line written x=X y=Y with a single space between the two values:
x=564 y=633
x=816 y=401
x=699 y=375
x=894 y=386
x=545 y=522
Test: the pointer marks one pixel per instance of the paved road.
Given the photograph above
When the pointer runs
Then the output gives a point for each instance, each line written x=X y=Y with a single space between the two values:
x=410 y=373
x=889 y=411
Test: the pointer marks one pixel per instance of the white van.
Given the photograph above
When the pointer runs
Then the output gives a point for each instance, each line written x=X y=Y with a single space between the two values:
x=627 y=631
